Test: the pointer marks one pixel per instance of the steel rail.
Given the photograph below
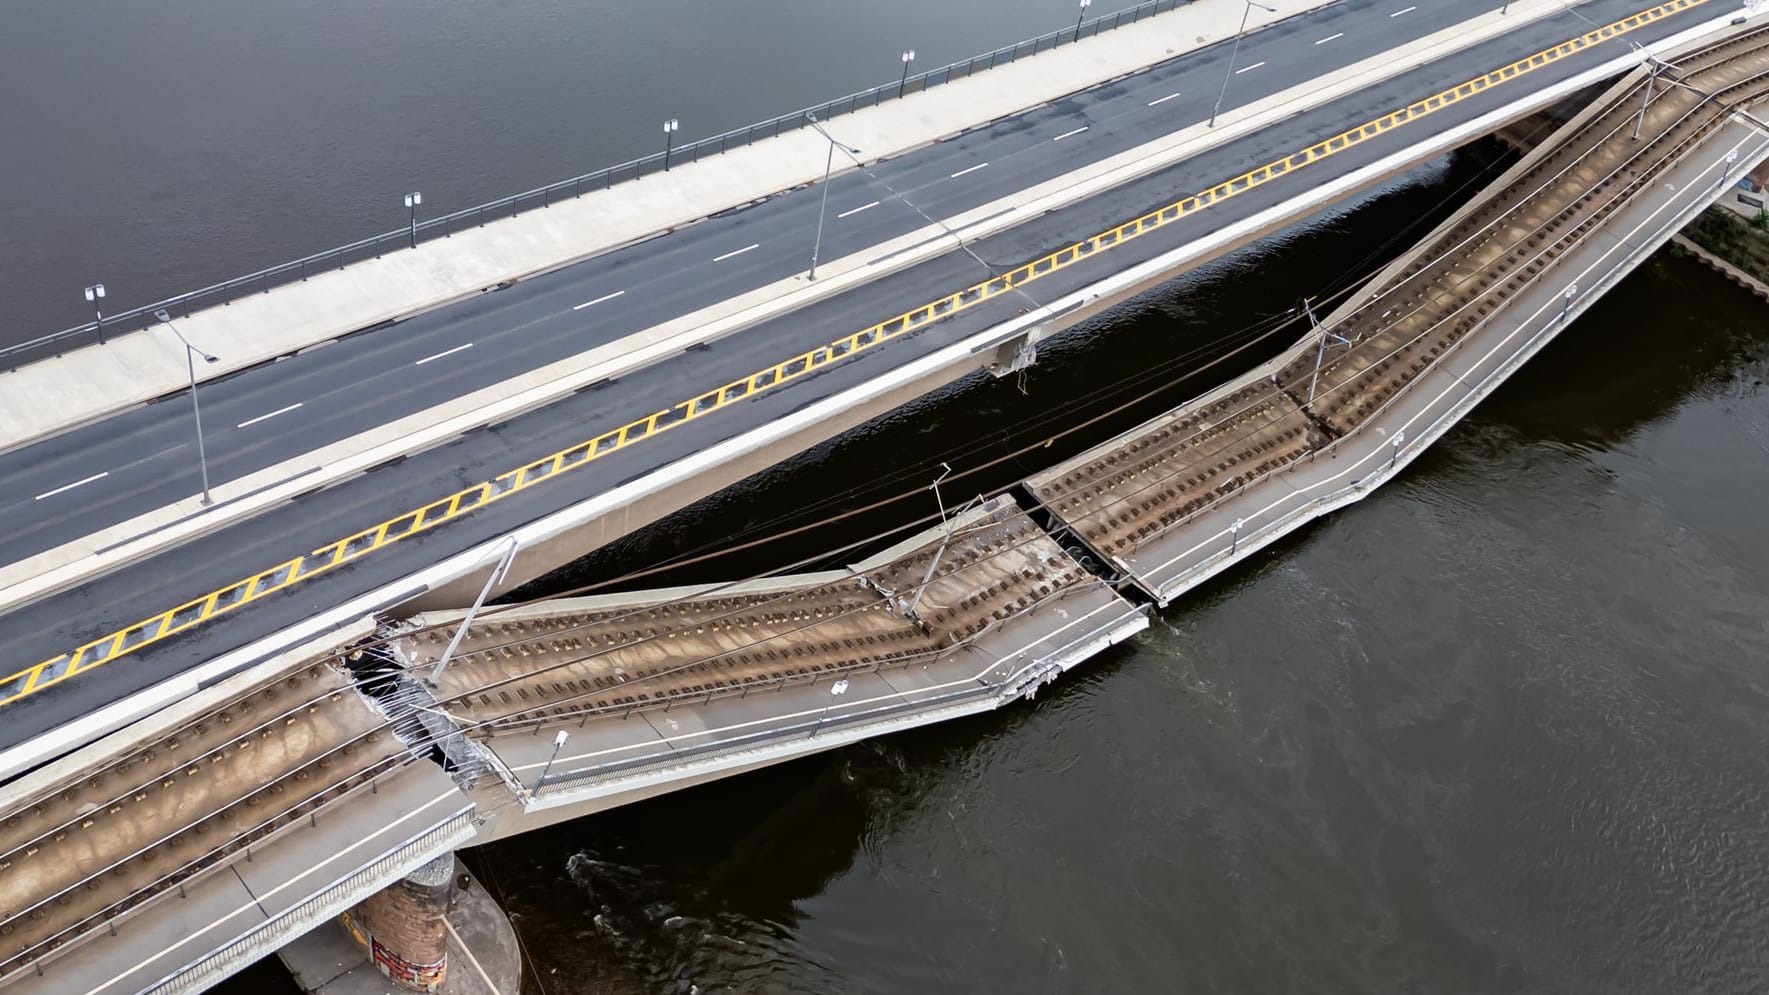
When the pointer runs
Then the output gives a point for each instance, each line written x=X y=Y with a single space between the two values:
x=743 y=684
x=315 y=802
x=119 y=763
x=1419 y=266
x=1011 y=686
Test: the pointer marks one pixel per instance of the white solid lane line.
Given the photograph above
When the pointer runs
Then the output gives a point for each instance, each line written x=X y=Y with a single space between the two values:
x=739 y=252
x=1069 y=134
x=1403 y=10
x=1162 y=100
x=448 y=352
x=69 y=487
x=972 y=169
x=273 y=414
x=1329 y=38
x=857 y=210
x=1248 y=69
x=604 y=297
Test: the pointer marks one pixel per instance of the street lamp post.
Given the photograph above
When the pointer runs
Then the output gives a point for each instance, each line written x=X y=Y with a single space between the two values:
x=412 y=200
x=836 y=690
x=1234 y=535
x=1572 y=292
x=828 y=166
x=1731 y=158
x=1079 y=17
x=558 y=744
x=191 y=352
x=908 y=57
x=1246 y=12
x=669 y=140
x=1400 y=439
x=94 y=294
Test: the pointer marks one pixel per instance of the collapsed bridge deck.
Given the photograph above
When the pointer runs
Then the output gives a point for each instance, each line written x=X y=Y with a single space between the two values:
x=1175 y=498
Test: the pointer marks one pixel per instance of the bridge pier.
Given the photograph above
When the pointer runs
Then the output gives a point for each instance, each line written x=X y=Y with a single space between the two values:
x=401 y=927
x=434 y=930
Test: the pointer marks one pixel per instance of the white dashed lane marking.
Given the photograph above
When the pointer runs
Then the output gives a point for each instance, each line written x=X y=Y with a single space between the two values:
x=604 y=297
x=273 y=414
x=69 y=487
x=446 y=352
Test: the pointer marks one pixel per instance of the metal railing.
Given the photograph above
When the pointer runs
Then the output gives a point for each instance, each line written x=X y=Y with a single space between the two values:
x=228 y=291
x=340 y=894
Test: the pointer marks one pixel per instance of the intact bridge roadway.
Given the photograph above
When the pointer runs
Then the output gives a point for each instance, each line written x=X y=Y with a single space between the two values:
x=371 y=378
x=275 y=412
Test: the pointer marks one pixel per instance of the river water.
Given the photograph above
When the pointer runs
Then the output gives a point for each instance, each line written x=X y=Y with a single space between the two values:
x=1500 y=728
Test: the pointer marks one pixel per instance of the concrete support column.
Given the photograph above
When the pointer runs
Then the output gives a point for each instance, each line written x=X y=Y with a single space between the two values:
x=401 y=928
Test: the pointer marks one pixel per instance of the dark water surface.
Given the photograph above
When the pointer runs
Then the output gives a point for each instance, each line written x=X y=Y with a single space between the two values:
x=163 y=146
x=1500 y=728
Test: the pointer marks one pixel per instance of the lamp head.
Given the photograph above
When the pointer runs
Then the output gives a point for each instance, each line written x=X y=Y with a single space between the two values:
x=163 y=316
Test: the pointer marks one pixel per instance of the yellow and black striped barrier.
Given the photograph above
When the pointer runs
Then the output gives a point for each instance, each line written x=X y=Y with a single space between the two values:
x=284 y=575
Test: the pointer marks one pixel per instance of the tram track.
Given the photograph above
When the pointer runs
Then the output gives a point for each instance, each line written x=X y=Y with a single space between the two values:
x=1186 y=464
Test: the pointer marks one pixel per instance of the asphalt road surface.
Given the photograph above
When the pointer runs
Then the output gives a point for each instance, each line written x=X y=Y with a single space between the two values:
x=41 y=630
x=147 y=456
